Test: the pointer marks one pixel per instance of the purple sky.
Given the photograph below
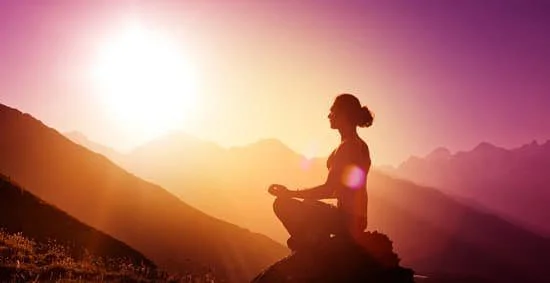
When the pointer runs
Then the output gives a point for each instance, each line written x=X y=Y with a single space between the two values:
x=436 y=73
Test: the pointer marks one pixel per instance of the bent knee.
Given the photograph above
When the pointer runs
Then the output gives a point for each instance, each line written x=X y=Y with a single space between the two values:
x=278 y=205
x=281 y=206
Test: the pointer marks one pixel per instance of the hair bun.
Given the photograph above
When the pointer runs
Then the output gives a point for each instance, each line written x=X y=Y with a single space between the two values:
x=365 y=117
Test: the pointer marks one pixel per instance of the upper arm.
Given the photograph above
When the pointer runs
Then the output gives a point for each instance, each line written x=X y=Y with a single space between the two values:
x=347 y=158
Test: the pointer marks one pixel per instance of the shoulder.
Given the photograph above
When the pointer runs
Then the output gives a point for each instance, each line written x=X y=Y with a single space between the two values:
x=354 y=151
x=354 y=147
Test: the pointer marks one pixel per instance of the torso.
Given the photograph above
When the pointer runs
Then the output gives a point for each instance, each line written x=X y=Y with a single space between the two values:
x=352 y=161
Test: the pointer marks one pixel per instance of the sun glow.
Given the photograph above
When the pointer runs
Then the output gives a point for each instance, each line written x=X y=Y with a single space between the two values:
x=146 y=82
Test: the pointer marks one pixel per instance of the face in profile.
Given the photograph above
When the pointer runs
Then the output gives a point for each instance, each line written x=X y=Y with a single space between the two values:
x=332 y=118
x=336 y=118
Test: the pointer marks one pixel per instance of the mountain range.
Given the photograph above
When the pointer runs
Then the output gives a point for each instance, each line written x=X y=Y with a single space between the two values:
x=512 y=183
x=434 y=233
x=94 y=190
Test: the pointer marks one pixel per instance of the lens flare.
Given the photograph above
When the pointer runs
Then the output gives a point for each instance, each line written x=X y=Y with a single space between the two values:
x=353 y=177
x=306 y=163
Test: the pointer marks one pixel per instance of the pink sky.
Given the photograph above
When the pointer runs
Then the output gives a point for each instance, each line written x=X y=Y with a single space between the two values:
x=436 y=73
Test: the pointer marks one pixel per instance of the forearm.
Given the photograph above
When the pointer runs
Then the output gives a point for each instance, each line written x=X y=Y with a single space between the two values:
x=319 y=192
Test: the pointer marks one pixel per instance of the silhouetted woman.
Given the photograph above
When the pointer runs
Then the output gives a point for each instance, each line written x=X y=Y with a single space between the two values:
x=310 y=220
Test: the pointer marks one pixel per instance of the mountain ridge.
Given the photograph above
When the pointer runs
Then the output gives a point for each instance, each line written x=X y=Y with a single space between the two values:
x=453 y=237
x=108 y=197
x=494 y=177
x=22 y=212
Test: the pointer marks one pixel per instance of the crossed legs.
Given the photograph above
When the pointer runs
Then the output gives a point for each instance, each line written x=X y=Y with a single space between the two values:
x=308 y=221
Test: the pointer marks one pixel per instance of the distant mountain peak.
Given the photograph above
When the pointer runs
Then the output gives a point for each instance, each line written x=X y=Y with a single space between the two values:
x=272 y=145
x=176 y=139
x=270 y=142
x=77 y=137
x=76 y=134
x=484 y=146
x=265 y=143
x=532 y=145
x=440 y=153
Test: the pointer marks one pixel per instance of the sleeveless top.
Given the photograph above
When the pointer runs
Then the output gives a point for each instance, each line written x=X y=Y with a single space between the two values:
x=350 y=163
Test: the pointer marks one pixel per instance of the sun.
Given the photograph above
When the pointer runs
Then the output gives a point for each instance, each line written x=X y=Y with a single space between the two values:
x=145 y=81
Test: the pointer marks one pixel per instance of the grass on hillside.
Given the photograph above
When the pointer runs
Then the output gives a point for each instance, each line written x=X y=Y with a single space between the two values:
x=24 y=260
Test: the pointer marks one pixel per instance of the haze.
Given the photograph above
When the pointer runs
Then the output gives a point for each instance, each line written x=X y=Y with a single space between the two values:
x=433 y=73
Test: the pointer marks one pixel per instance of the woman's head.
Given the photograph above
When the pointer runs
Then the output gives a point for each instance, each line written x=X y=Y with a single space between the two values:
x=346 y=111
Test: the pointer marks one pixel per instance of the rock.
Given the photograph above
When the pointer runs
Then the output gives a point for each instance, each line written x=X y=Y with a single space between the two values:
x=368 y=259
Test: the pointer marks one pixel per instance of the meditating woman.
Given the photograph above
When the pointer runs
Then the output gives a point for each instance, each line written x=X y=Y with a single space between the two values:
x=310 y=220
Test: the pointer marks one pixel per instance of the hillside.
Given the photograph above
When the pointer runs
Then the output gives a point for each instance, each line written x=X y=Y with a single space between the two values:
x=24 y=260
x=145 y=216
x=22 y=212
x=229 y=183
x=38 y=241
x=81 y=139
x=433 y=233
x=513 y=183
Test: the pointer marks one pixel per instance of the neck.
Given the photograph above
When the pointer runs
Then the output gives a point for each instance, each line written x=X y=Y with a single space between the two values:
x=348 y=133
